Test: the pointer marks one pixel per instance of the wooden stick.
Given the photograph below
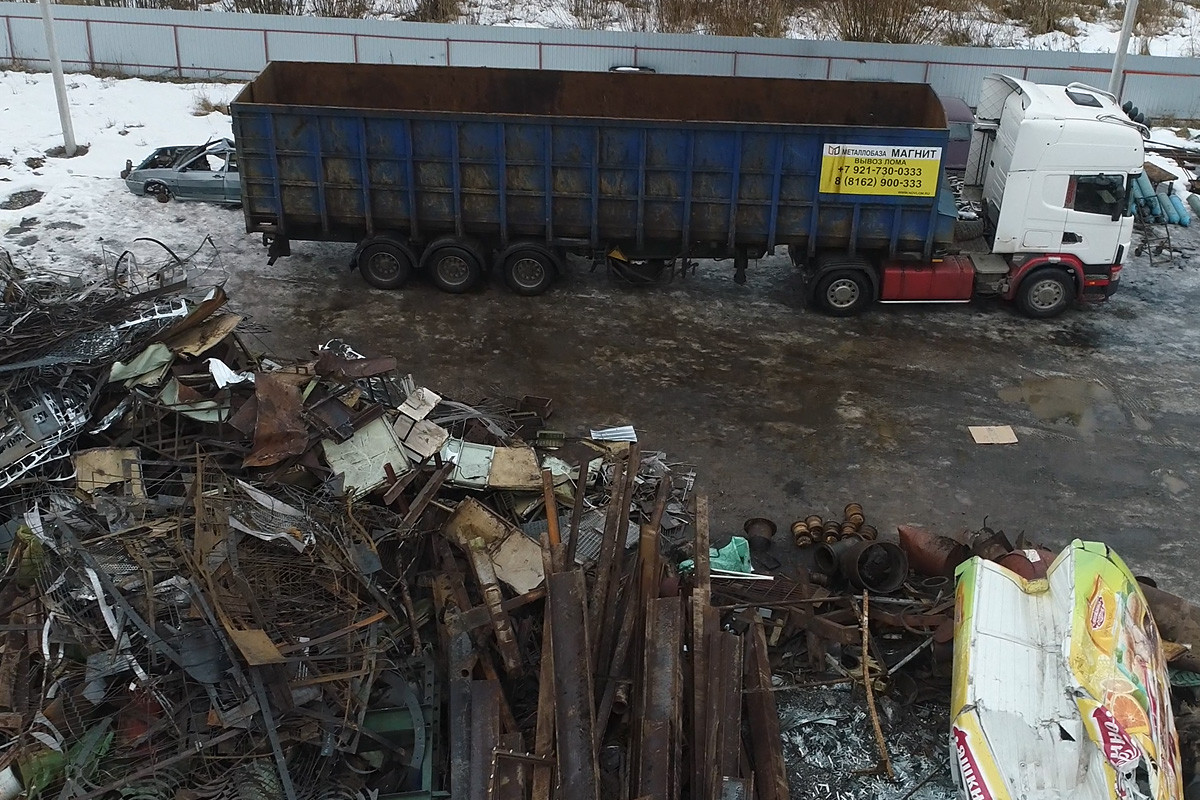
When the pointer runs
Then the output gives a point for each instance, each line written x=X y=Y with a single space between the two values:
x=866 y=670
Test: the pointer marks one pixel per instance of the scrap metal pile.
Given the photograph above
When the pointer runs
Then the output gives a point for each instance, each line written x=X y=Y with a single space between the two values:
x=238 y=576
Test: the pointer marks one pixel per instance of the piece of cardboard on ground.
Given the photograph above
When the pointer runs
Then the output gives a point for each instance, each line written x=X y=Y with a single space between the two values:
x=104 y=466
x=992 y=434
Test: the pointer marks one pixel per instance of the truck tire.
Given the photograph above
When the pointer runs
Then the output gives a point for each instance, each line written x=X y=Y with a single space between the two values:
x=843 y=292
x=385 y=265
x=453 y=266
x=1045 y=293
x=529 y=271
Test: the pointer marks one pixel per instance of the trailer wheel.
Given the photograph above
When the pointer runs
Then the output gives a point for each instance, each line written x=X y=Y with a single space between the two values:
x=1045 y=293
x=385 y=265
x=529 y=271
x=453 y=266
x=844 y=292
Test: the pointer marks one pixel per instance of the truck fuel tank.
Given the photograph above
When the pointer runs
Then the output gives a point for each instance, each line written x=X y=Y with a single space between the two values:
x=946 y=280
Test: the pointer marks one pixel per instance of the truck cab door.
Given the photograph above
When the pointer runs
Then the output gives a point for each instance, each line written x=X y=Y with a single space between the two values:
x=1045 y=215
x=1096 y=206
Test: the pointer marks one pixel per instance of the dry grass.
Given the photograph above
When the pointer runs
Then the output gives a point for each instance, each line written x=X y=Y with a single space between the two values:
x=204 y=105
x=345 y=9
x=282 y=7
x=890 y=21
x=725 y=17
x=435 y=11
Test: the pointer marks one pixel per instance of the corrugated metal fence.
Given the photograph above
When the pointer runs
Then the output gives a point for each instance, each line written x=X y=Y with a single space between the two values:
x=220 y=45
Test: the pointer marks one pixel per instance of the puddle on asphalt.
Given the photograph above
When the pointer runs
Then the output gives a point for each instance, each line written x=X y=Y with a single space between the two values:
x=1068 y=400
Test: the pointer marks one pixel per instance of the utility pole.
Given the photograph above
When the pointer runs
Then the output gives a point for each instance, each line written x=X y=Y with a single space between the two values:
x=1118 y=70
x=60 y=84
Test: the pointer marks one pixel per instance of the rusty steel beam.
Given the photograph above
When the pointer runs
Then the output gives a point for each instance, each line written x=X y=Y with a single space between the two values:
x=701 y=614
x=728 y=667
x=657 y=764
x=574 y=717
x=485 y=736
x=608 y=547
x=616 y=672
x=425 y=496
x=766 y=741
x=461 y=665
x=577 y=514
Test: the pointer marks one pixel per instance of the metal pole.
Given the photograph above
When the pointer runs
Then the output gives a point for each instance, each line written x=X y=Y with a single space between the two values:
x=60 y=85
x=1118 y=70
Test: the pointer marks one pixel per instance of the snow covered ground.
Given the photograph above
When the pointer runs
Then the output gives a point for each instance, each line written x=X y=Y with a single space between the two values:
x=84 y=197
x=985 y=28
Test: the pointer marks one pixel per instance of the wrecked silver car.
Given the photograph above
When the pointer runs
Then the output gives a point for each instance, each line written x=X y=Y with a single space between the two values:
x=205 y=172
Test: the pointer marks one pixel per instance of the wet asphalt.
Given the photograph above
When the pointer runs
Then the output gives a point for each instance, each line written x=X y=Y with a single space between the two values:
x=784 y=412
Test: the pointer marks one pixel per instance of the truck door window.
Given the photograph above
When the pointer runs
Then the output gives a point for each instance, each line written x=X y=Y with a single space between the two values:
x=1096 y=194
x=961 y=131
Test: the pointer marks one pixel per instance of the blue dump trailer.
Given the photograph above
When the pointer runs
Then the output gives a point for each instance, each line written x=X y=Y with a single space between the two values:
x=460 y=171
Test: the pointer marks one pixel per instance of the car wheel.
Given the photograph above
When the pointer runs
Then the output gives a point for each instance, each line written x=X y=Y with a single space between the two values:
x=844 y=292
x=159 y=191
x=385 y=265
x=1045 y=293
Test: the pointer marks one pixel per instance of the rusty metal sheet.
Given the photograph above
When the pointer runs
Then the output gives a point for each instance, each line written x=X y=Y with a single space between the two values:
x=279 y=431
x=255 y=646
x=506 y=637
x=330 y=365
x=574 y=717
x=203 y=336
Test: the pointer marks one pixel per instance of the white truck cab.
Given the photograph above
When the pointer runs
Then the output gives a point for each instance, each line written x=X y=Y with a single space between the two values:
x=1058 y=162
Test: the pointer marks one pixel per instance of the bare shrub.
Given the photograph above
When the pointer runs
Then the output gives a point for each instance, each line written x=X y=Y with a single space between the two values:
x=888 y=21
x=747 y=17
x=1154 y=17
x=1039 y=16
x=171 y=5
x=678 y=16
x=345 y=9
x=435 y=11
x=289 y=7
x=590 y=13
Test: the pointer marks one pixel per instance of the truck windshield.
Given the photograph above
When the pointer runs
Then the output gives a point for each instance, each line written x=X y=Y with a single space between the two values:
x=1097 y=194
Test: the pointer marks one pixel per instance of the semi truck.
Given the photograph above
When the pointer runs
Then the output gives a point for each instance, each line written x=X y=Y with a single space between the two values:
x=459 y=171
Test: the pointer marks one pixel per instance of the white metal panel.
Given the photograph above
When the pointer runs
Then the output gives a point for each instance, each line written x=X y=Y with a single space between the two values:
x=852 y=69
x=385 y=50
x=766 y=65
x=518 y=55
x=30 y=40
x=561 y=56
x=289 y=46
x=687 y=62
x=111 y=46
x=208 y=50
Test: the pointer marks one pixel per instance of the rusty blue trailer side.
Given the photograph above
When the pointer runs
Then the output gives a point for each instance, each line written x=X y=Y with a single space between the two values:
x=322 y=163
